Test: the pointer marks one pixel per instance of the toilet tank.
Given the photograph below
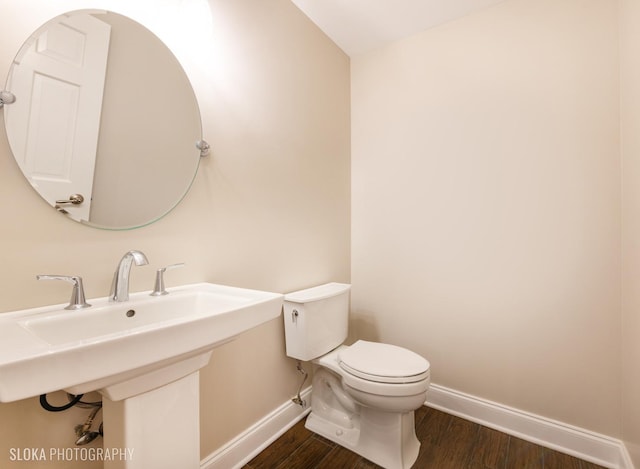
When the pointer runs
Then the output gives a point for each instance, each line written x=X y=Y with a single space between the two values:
x=316 y=320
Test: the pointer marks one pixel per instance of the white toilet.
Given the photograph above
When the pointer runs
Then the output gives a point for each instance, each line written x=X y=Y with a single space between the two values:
x=364 y=395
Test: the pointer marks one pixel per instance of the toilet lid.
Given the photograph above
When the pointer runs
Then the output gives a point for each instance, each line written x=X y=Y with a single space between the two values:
x=383 y=363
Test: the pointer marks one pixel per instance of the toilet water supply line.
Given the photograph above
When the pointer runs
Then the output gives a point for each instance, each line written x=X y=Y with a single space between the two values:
x=298 y=399
x=83 y=431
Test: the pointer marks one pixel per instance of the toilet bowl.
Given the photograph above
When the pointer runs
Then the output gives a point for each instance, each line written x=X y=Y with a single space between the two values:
x=364 y=395
x=372 y=418
x=382 y=376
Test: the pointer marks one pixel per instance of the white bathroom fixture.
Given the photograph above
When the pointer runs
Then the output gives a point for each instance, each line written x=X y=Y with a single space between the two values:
x=364 y=395
x=142 y=355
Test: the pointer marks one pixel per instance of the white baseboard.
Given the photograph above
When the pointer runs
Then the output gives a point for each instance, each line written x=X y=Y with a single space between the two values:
x=578 y=442
x=243 y=448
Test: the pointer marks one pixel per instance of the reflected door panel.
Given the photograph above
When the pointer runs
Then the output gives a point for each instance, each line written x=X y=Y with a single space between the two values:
x=59 y=81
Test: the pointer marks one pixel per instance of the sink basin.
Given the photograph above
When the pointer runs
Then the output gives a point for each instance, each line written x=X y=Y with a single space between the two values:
x=147 y=341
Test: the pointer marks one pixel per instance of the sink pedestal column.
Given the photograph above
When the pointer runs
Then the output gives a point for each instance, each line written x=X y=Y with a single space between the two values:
x=157 y=429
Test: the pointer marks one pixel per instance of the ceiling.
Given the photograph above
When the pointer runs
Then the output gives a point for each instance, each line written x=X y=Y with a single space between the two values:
x=360 y=26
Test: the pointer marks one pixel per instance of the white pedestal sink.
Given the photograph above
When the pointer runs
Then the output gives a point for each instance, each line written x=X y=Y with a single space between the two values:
x=157 y=429
x=142 y=355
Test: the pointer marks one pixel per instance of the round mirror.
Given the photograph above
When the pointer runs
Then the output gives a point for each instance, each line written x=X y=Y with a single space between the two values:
x=105 y=124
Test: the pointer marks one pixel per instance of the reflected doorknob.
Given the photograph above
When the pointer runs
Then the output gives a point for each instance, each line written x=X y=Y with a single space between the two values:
x=75 y=199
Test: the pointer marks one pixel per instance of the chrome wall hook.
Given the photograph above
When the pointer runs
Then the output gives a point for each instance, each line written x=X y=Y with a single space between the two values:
x=7 y=97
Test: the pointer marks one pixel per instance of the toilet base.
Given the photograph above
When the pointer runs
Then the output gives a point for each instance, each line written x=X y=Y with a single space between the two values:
x=387 y=439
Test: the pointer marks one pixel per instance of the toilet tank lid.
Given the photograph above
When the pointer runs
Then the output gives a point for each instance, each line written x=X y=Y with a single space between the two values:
x=317 y=293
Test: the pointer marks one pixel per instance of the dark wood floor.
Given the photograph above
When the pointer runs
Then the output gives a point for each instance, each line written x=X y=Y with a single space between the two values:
x=448 y=442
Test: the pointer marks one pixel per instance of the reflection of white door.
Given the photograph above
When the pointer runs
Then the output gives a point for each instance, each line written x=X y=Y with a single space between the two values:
x=54 y=123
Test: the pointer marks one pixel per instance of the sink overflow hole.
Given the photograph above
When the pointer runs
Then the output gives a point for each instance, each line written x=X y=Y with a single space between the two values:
x=131 y=313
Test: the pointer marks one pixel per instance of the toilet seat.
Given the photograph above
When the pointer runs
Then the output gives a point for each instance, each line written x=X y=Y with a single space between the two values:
x=383 y=363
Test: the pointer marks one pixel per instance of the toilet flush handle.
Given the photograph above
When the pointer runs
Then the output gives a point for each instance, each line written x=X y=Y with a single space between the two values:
x=294 y=315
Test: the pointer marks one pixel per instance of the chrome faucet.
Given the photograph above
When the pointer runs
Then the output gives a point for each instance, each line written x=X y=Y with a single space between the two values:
x=77 y=295
x=120 y=284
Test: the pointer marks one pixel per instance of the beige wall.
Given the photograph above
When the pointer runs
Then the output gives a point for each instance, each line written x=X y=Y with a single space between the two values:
x=630 y=112
x=269 y=208
x=486 y=205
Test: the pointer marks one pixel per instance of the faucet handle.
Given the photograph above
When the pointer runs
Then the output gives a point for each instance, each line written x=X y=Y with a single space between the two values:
x=158 y=288
x=77 y=295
